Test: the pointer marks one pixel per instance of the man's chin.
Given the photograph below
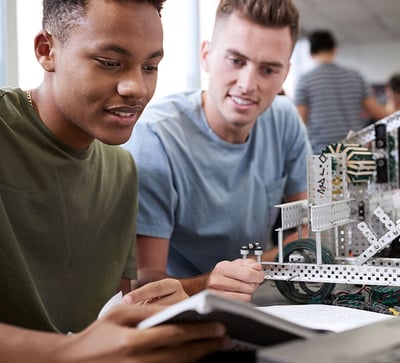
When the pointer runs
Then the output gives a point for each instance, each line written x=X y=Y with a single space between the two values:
x=116 y=140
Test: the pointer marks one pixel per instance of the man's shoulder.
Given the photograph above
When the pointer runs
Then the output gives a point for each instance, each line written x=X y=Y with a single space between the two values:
x=281 y=105
x=282 y=114
x=282 y=101
x=311 y=72
x=6 y=90
x=344 y=71
x=323 y=73
x=14 y=106
x=10 y=94
x=310 y=77
x=353 y=73
x=170 y=107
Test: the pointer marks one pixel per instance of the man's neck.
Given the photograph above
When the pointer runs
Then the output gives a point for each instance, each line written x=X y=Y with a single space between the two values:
x=324 y=57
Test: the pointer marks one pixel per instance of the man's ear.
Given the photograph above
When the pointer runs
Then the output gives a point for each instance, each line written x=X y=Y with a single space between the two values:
x=44 y=50
x=204 y=54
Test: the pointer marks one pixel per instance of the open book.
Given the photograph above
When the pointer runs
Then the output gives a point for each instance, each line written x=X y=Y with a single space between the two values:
x=260 y=326
x=328 y=317
x=244 y=322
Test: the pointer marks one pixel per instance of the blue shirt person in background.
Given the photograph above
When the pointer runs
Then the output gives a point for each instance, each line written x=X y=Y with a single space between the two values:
x=68 y=195
x=213 y=163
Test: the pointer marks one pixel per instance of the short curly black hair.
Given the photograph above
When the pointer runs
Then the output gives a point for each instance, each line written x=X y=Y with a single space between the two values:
x=59 y=16
x=321 y=41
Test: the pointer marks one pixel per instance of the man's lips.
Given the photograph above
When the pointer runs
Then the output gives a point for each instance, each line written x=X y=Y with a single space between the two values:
x=242 y=101
x=124 y=116
x=125 y=111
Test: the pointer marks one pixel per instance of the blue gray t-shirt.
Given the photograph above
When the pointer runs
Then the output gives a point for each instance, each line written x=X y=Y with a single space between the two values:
x=207 y=196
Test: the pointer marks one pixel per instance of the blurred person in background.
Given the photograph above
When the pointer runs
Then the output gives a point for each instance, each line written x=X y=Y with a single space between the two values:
x=392 y=92
x=331 y=98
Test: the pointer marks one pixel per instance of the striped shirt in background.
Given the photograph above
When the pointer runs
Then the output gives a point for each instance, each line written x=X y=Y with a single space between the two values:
x=334 y=96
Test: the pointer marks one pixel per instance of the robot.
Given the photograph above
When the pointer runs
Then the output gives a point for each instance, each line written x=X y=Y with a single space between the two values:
x=353 y=214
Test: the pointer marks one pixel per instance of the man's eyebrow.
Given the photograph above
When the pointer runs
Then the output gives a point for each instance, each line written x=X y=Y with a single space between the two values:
x=157 y=54
x=272 y=64
x=236 y=53
x=266 y=63
x=125 y=52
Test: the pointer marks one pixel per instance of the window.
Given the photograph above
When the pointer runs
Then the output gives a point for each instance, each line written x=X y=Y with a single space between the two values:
x=8 y=50
x=29 y=17
x=180 y=68
x=186 y=24
x=3 y=45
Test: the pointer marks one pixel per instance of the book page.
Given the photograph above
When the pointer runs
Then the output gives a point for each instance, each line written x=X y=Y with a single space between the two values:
x=115 y=300
x=325 y=317
x=310 y=316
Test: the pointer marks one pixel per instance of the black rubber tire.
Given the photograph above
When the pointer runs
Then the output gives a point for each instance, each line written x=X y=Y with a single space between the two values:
x=305 y=292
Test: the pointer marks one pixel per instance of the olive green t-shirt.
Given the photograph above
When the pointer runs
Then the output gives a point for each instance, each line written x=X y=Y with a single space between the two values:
x=67 y=223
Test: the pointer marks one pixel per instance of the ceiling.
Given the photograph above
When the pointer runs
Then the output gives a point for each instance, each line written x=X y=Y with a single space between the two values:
x=352 y=21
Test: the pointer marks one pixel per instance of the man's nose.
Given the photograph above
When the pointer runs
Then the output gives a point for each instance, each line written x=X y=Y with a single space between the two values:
x=247 y=80
x=133 y=85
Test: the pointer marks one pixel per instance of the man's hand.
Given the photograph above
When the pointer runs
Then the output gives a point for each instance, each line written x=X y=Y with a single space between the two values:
x=237 y=279
x=163 y=292
x=114 y=338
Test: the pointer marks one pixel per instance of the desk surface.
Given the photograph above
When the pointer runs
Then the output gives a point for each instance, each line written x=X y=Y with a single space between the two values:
x=267 y=294
x=369 y=344
x=374 y=343
x=361 y=345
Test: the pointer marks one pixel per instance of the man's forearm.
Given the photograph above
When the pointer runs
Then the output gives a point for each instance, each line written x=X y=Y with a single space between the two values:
x=146 y=275
x=22 y=345
x=191 y=285
x=194 y=285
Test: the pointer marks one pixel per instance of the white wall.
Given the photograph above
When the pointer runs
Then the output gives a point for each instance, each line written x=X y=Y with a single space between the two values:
x=9 y=54
x=178 y=70
x=173 y=68
x=376 y=62
x=29 y=15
